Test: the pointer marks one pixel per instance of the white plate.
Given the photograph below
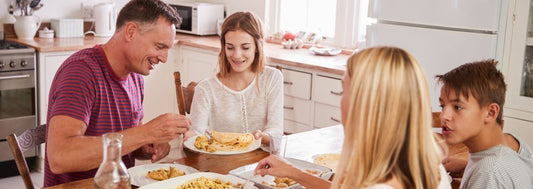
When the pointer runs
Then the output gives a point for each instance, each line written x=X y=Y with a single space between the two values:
x=138 y=173
x=332 y=162
x=247 y=172
x=189 y=143
x=325 y=51
x=175 y=182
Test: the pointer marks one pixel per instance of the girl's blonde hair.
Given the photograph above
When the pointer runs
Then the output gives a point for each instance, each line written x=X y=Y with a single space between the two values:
x=388 y=127
x=251 y=24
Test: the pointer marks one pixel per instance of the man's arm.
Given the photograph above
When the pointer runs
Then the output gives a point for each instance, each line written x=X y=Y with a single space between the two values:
x=67 y=146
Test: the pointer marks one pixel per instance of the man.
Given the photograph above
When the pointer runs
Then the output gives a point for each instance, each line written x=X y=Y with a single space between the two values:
x=100 y=89
x=472 y=99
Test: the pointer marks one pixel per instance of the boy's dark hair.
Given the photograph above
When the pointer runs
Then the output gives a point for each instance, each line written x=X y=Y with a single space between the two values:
x=147 y=11
x=480 y=79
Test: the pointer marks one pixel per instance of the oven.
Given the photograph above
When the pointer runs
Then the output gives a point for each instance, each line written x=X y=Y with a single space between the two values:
x=18 y=94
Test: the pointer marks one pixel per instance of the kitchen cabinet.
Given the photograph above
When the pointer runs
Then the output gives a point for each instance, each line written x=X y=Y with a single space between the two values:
x=48 y=64
x=159 y=88
x=520 y=128
x=196 y=64
x=518 y=70
x=297 y=83
x=327 y=93
x=312 y=98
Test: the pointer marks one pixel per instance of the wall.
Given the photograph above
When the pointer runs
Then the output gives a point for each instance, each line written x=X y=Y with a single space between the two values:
x=57 y=8
x=72 y=8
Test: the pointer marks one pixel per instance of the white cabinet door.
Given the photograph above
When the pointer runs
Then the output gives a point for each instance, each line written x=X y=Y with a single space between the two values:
x=297 y=83
x=326 y=115
x=519 y=69
x=196 y=64
x=327 y=90
x=299 y=110
x=160 y=90
x=47 y=67
x=519 y=127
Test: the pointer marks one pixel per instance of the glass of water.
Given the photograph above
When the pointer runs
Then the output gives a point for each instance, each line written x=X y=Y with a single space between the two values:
x=278 y=145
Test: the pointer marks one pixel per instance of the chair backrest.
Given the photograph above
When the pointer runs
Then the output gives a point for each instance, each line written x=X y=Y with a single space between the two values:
x=436 y=119
x=184 y=95
x=19 y=144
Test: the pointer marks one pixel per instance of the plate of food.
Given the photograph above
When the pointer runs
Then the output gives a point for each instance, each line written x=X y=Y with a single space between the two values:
x=223 y=143
x=202 y=180
x=150 y=173
x=268 y=181
x=327 y=160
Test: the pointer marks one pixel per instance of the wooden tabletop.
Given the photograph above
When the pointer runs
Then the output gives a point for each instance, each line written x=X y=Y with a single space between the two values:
x=324 y=140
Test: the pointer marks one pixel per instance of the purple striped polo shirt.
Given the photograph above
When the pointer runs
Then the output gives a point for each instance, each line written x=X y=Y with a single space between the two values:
x=86 y=88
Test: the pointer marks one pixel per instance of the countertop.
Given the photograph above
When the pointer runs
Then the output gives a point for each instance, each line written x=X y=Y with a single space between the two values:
x=301 y=58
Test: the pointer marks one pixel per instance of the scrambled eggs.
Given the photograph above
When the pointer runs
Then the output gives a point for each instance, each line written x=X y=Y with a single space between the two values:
x=163 y=174
x=207 y=183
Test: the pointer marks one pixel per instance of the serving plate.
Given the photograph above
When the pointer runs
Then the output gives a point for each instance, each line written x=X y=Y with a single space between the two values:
x=325 y=51
x=189 y=143
x=247 y=172
x=177 y=181
x=138 y=173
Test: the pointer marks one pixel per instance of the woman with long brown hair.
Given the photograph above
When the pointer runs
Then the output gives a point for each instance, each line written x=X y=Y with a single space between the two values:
x=245 y=96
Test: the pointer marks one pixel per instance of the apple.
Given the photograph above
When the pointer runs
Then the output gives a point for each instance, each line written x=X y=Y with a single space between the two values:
x=288 y=36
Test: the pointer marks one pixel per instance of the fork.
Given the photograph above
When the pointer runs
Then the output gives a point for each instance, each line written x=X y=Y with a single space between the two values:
x=209 y=136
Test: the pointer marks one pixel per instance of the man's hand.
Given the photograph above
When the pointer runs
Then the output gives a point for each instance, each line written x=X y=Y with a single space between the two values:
x=166 y=127
x=154 y=152
x=160 y=150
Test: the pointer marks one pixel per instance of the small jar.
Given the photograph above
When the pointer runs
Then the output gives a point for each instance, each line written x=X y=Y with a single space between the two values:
x=46 y=33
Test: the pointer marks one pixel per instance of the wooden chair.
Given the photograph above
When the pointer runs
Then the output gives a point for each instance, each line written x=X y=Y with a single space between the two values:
x=183 y=94
x=19 y=144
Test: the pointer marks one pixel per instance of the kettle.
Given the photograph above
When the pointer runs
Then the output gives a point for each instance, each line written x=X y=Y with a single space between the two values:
x=104 y=19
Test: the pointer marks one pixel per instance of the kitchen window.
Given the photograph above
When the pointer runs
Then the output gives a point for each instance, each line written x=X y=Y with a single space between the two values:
x=341 y=22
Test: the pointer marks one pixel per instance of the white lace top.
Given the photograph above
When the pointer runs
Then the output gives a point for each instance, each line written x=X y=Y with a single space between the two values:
x=222 y=109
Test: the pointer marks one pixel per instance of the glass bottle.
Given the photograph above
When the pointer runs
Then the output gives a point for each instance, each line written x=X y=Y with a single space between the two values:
x=112 y=173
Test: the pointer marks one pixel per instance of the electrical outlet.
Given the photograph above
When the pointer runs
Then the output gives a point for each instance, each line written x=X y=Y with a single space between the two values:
x=87 y=11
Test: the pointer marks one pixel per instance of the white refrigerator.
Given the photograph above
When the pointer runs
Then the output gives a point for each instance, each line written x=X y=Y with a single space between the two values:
x=441 y=34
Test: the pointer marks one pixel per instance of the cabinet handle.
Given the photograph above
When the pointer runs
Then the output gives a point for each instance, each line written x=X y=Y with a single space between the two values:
x=335 y=120
x=336 y=93
x=287 y=82
x=288 y=107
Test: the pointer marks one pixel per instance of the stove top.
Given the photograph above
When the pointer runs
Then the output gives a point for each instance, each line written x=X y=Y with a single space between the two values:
x=11 y=45
x=10 y=48
x=15 y=57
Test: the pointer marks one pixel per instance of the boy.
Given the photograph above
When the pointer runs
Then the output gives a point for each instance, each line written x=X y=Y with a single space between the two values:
x=472 y=98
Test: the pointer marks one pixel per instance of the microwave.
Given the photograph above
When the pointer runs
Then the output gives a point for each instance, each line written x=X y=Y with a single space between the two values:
x=199 y=18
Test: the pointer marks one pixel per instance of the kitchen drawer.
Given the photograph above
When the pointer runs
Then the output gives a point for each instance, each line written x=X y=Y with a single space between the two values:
x=327 y=90
x=326 y=115
x=297 y=84
x=292 y=127
x=298 y=110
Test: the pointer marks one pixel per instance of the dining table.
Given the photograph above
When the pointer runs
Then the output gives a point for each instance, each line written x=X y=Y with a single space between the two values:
x=304 y=146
